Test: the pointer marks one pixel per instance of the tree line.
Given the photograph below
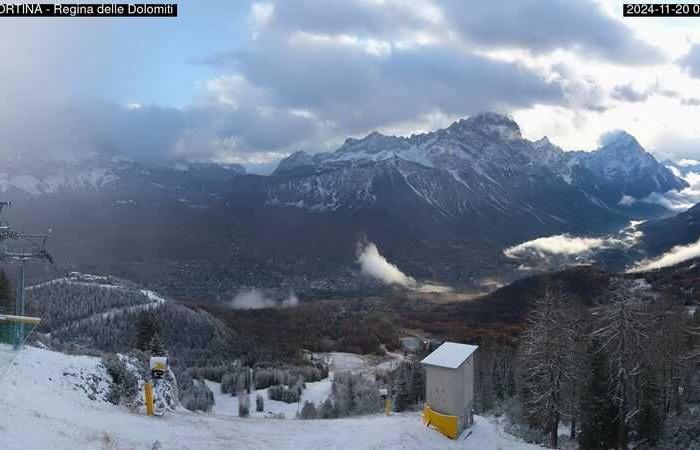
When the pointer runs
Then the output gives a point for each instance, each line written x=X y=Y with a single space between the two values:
x=619 y=374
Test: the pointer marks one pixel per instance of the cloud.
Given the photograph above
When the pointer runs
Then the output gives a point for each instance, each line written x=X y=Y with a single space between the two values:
x=677 y=146
x=543 y=26
x=430 y=288
x=561 y=244
x=676 y=255
x=610 y=137
x=69 y=86
x=299 y=75
x=306 y=78
x=688 y=162
x=209 y=130
x=691 y=61
x=677 y=201
x=379 y=19
x=565 y=250
x=628 y=200
x=373 y=264
x=290 y=301
x=257 y=299
x=629 y=94
x=352 y=86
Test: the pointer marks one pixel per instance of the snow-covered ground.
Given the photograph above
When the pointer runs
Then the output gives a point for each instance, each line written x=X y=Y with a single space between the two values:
x=42 y=407
x=316 y=392
x=353 y=362
x=227 y=405
x=348 y=362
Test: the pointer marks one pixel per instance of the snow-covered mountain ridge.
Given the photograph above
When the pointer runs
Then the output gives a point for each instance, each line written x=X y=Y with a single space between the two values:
x=474 y=166
x=491 y=141
x=19 y=176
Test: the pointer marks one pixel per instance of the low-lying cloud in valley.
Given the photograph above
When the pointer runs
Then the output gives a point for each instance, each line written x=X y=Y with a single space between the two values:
x=676 y=255
x=375 y=265
x=258 y=299
x=561 y=244
x=676 y=201
x=552 y=252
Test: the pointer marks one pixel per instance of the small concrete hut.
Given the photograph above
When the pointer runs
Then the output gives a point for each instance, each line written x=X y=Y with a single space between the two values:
x=450 y=381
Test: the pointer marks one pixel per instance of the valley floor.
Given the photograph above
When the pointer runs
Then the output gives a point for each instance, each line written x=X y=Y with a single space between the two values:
x=42 y=407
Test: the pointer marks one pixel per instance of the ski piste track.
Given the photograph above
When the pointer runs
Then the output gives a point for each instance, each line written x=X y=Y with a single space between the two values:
x=41 y=408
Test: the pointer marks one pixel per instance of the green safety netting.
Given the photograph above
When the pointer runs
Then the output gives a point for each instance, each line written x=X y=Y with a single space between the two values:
x=13 y=333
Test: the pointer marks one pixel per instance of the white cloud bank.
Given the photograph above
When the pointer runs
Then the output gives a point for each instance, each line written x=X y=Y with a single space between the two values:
x=257 y=299
x=375 y=265
x=565 y=250
x=677 y=201
x=688 y=162
x=676 y=255
x=561 y=244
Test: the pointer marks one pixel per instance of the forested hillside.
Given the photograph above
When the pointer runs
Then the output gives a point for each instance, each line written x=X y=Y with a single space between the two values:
x=97 y=313
x=64 y=301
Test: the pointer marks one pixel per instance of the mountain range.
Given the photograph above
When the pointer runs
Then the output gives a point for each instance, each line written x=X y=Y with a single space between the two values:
x=441 y=205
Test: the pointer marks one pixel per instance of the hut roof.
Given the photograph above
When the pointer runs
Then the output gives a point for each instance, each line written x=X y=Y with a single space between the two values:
x=450 y=355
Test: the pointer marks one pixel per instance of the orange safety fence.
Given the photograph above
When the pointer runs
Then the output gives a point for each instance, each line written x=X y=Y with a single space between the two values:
x=447 y=425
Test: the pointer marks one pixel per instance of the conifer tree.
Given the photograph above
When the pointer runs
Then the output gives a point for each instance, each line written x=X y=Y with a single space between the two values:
x=146 y=328
x=308 y=411
x=402 y=395
x=243 y=404
x=648 y=420
x=6 y=298
x=326 y=410
x=417 y=382
x=156 y=346
x=598 y=413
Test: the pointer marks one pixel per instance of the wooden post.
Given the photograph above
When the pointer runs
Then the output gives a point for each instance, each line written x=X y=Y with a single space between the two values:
x=149 y=398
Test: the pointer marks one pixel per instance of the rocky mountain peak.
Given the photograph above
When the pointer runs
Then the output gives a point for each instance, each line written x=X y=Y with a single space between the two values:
x=489 y=124
x=621 y=152
x=293 y=161
x=543 y=142
x=620 y=142
x=372 y=143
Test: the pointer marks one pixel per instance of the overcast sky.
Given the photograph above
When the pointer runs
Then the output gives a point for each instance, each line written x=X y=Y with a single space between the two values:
x=251 y=82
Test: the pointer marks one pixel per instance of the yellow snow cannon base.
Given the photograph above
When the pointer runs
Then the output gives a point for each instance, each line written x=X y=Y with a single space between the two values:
x=447 y=425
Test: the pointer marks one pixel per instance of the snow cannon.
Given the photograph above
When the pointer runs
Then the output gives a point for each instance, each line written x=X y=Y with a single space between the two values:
x=384 y=393
x=159 y=365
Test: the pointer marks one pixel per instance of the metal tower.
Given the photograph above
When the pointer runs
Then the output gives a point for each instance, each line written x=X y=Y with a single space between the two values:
x=34 y=248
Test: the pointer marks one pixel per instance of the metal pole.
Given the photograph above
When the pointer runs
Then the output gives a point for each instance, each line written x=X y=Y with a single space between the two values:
x=20 y=307
x=150 y=407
